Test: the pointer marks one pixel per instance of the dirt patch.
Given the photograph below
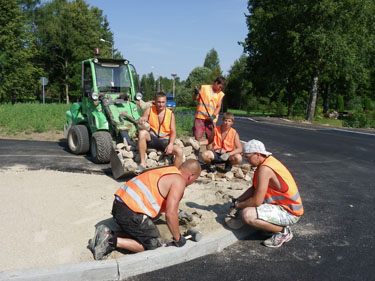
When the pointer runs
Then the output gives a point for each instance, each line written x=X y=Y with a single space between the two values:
x=52 y=215
x=46 y=136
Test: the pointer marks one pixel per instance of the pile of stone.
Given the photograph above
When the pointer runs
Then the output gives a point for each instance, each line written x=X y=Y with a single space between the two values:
x=129 y=157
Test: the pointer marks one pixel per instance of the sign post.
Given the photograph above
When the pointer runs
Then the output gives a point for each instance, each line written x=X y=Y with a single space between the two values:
x=43 y=81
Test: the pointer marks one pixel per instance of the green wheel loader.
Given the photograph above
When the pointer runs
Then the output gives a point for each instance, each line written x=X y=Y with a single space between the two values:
x=108 y=112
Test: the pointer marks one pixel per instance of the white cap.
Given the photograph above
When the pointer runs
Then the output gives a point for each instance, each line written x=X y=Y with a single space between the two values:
x=255 y=146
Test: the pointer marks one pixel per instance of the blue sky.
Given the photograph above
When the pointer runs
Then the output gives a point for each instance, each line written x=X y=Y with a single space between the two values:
x=166 y=36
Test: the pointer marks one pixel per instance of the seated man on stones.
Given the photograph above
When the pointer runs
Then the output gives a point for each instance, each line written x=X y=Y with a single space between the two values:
x=227 y=147
x=162 y=134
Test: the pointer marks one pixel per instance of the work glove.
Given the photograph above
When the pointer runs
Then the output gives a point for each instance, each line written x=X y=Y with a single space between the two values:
x=225 y=156
x=197 y=91
x=180 y=243
x=211 y=118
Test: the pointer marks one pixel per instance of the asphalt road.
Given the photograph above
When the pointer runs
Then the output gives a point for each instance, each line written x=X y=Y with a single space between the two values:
x=335 y=238
x=39 y=155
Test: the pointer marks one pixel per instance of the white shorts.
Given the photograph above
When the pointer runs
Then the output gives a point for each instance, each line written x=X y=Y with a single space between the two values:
x=276 y=214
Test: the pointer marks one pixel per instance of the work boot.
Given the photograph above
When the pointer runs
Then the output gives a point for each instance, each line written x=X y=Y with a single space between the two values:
x=211 y=169
x=194 y=143
x=228 y=166
x=279 y=238
x=102 y=246
x=99 y=232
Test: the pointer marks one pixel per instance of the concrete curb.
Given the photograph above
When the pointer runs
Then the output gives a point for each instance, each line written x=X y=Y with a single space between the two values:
x=131 y=265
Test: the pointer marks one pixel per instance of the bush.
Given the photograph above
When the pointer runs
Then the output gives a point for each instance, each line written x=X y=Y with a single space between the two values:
x=340 y=103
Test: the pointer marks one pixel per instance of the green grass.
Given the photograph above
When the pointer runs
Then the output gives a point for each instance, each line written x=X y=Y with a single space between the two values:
x=184 y=123
x=328 y=121
x=32 y=117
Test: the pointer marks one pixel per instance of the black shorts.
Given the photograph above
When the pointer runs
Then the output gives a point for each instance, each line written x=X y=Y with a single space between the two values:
x=139 y=226
x=217 y=159
x=157 y=143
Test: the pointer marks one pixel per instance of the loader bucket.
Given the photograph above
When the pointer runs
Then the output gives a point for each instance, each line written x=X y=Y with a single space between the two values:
x=118 y=170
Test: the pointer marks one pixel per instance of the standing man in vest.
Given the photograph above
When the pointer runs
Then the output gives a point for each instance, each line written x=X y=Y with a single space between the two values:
x=140 y=200
x=227 y=145
x=162 y=133
x=273 y=203
x=209 y=99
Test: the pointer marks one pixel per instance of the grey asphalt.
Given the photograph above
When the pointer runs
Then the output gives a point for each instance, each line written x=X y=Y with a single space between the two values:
x=335 y=238
x=37 y=155
x=333 y=241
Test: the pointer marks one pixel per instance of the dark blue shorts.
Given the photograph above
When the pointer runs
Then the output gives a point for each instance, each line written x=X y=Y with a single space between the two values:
x=217 y=159
x=157 y=143
x=138 y=226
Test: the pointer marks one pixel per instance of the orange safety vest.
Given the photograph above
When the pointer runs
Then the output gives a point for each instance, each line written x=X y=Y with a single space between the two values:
x=209 y=100
x=141 y=194
x=162 y=130
x=290 y=199
x=226 y=144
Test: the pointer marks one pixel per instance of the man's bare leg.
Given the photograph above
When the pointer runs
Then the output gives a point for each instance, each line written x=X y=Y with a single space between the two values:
x=143 y=137
x=178 y=155
x=129 y=244
x=249 y=215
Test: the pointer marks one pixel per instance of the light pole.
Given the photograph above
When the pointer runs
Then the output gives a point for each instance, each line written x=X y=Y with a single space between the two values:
x=174 y=77
x=111 y=43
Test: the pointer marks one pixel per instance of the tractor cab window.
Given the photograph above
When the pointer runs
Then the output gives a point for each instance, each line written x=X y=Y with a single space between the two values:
x=113 y=78
x=87 y=80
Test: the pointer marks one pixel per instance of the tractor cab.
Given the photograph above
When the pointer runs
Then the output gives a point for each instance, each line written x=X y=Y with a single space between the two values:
x=108 y=112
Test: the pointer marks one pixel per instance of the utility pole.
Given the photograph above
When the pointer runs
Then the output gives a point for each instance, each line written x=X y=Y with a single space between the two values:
x=173 y=91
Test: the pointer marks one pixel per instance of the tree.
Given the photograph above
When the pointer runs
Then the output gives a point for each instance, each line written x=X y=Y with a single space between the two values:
x=18 y=76
x=238 y=85
x=212 y=62
x=293 y=44
x=199 y=76
x=68 y=33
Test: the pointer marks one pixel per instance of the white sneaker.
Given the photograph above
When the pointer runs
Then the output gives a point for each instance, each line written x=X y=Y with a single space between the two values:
x=194 y=143
x=279 y=238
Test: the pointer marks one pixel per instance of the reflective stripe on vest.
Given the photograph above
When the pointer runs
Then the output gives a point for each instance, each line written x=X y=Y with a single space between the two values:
x=162 y=130
x=289 y=200
x=141 y=193
x=207 y=102
x=226 y=144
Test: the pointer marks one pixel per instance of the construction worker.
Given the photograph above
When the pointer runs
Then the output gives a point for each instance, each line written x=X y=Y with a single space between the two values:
x=273 y=203
x=140 y=200
x=209 y=99
x=162 y=134
x=227 y=147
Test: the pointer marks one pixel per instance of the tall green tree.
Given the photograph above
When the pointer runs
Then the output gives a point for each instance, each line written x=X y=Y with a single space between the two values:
x=68 y=33
x=212 y=62
x=295 y=47
x=238 y=86
x=18 y=76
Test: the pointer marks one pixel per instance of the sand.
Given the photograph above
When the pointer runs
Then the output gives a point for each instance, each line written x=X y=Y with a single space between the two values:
x=47 y=217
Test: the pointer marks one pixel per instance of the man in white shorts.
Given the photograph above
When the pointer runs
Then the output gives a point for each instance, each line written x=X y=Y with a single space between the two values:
x=273 y=203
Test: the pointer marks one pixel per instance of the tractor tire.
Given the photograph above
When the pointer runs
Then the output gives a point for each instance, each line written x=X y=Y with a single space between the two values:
x=101 y=145
x=78 y=139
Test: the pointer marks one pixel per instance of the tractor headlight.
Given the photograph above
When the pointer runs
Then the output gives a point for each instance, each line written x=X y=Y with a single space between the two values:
x=138 y=96
x=94 y=95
